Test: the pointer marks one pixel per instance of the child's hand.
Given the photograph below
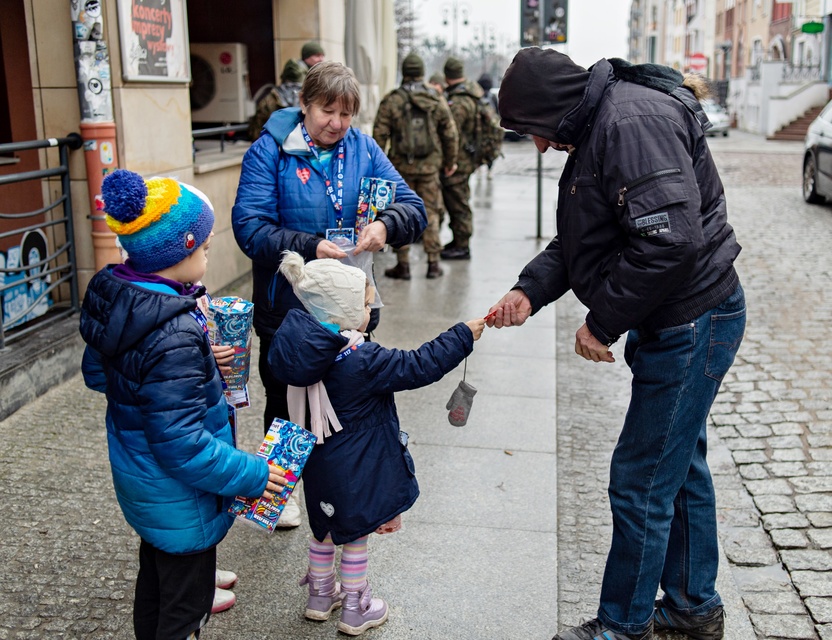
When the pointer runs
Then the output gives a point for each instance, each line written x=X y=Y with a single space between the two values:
x=224 y=355
x=277 y=481
x=476 y=327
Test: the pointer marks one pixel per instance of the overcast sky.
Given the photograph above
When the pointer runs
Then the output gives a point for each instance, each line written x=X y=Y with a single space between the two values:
x=596 y=28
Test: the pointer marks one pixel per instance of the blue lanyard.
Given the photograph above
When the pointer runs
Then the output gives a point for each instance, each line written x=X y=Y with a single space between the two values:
x=337 y=197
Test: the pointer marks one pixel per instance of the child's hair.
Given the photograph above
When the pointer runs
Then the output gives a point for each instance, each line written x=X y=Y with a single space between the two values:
x=330 y=290
x=159 y=221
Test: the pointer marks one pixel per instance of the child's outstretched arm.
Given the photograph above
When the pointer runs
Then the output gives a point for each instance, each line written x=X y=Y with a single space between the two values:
x=476 y=326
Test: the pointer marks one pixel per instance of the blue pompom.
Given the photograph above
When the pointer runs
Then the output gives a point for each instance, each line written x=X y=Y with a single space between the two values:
x=124 y=194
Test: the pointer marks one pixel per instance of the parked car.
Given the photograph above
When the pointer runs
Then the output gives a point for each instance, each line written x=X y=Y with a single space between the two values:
x=817 y=158
x=718 y=116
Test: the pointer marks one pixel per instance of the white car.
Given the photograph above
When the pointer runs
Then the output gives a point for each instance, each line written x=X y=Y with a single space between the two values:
x=718 y=116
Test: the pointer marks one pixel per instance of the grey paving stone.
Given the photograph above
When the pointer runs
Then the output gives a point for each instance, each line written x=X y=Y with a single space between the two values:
x=753 y=471
x=787 y=469
x=813 y=502
x=783 y=626
x=821 y=538
x=813 y=484
x=789 y=539
x=787 y=455
x=775 y=603
x=821 y=609
x=750 y=456
x=748 y=547
x=773 y=486
x=788 y=429
x=785 y=521
x=807 y=560
x=774 y=504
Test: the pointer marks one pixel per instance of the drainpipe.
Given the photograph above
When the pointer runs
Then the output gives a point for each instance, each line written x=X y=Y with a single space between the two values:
x=98 y=130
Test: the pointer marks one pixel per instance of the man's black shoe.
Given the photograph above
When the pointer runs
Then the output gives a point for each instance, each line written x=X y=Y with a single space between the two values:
x=597 y=630
x=456 y=253
x=710 y=626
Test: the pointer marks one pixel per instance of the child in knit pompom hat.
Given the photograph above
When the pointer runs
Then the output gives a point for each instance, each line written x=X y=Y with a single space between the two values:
x=360 y=476
x=171 y=446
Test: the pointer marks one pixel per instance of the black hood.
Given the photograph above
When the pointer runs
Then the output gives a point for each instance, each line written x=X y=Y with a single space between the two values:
x=540 y=87
x=545 y=94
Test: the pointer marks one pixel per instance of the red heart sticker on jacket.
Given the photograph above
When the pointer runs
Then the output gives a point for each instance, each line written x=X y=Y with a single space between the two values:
x=304 y=174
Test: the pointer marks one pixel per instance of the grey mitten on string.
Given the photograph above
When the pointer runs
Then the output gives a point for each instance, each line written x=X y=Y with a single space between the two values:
x=459 y=406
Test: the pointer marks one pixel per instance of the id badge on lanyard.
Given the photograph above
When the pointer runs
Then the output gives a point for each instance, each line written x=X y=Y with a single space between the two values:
x=339 y=235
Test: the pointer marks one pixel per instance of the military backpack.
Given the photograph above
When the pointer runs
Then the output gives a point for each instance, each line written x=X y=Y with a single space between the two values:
x=416 y=136
x=487 y=141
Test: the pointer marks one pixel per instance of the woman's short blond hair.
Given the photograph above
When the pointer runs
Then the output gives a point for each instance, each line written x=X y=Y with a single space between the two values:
x=329 y=82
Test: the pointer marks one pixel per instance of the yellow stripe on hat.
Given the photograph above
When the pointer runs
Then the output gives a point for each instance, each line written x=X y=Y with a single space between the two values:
x=162 y=194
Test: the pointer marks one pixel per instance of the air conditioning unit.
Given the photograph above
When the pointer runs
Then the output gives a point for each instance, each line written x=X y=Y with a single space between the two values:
x=219 y=84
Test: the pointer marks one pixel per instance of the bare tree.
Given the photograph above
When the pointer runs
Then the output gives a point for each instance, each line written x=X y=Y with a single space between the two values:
x=405 y=27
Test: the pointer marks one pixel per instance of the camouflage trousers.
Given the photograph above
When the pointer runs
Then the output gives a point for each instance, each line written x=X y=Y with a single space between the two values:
x=456 y=193
x=428 y=188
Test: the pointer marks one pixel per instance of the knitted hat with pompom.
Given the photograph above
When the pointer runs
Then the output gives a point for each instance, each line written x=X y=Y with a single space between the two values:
x=158 y=221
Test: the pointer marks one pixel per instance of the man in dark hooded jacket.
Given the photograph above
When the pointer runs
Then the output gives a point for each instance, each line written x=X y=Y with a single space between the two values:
x=644 y=242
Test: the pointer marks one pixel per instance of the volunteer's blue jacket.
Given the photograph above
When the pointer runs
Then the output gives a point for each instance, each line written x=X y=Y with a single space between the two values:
x=362 y=476
x=282 y=205
x=174 y=464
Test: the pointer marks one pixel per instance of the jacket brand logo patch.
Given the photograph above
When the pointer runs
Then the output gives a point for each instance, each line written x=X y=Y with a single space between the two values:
x=304 y=174
x=653 y=224
x=328 y=509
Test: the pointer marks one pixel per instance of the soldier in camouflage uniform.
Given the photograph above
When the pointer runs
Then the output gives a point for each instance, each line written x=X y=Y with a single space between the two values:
x=420 y=173
x=455 y=189
x=270 y=98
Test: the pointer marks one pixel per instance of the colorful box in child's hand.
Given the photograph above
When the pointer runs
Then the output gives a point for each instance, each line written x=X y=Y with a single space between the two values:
x=229 y=323
x=374 y=195
x=288 y=446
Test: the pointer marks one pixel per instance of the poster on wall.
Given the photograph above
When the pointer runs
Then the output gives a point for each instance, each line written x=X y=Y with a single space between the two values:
x=154 y=40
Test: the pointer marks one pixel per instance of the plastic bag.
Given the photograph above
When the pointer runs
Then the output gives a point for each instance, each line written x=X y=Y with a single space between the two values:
x=363 y=261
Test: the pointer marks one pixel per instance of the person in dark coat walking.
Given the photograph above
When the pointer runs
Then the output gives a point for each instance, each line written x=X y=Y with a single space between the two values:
x=360 y=477
x=644 y=242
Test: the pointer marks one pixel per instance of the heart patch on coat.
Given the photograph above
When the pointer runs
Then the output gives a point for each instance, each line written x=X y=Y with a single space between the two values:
x=328 y=509
x=304 y=174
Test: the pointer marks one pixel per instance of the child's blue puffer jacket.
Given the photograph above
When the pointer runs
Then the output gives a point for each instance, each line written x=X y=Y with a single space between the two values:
x=175 y=467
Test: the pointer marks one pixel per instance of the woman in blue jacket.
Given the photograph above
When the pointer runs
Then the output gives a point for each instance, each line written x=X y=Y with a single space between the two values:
x=300 y=179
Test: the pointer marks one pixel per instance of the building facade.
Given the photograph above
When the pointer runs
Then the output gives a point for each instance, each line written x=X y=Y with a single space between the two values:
x=139 y=52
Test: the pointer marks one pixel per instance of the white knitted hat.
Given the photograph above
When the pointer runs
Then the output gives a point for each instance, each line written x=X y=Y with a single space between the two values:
x=330 y=291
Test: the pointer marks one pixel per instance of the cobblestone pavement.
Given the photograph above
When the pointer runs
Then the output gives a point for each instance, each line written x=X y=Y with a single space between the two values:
x=68 y=560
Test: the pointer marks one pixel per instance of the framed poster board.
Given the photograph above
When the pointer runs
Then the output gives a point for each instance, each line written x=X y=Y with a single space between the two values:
x=154 y=40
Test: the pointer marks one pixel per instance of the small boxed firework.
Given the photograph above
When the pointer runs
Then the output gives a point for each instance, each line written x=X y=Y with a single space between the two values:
x=229 y=323
x=287 y=446
x=374 y=195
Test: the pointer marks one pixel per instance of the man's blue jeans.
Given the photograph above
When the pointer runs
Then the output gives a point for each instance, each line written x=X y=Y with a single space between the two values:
x=661 y=493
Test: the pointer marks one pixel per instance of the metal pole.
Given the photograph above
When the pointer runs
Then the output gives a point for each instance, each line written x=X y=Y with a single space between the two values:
x=540 y=155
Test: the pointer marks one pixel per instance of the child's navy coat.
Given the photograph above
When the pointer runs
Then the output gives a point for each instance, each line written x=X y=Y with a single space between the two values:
x=175 y=468
x=362 y=476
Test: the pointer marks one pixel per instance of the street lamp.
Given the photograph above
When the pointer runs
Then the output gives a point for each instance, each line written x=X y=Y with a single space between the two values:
x=453 y=11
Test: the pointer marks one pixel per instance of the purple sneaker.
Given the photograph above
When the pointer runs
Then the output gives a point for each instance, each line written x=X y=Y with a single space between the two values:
x=324 y=596
x=361 y=611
